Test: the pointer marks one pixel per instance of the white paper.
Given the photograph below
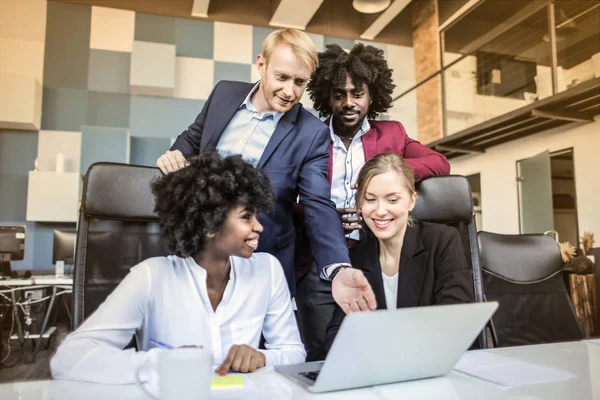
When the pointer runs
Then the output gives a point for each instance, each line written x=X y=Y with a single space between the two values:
x=507 y=371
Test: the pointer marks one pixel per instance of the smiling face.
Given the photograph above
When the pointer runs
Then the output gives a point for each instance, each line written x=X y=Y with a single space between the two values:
x=239 y=235
x=283 y=79
x=386 y=204
x=349 y=106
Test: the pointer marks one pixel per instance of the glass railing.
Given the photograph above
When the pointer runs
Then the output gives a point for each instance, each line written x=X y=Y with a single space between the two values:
x=577 y=27
x=503 y=55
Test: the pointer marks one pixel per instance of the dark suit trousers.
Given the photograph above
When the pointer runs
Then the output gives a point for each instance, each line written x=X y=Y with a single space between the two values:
x=315 y=306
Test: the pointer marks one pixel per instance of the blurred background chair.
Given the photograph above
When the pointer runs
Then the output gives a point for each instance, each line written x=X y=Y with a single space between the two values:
x=117 y=229
x=524 y=274
x=447 y=200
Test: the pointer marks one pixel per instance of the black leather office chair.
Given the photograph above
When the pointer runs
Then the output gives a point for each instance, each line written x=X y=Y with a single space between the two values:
x=447 y=200
x=524 y=274
x=117 y=229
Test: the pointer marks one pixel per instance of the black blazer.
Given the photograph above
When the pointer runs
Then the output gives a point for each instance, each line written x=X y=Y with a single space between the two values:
x=296 y=161
x=433 y=270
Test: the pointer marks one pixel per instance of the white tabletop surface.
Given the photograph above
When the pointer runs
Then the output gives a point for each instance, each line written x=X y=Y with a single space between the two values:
x=16 y=282
x=38 y=280
x=582 y=359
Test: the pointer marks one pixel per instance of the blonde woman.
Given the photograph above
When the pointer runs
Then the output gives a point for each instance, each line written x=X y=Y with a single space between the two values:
x=407 y=263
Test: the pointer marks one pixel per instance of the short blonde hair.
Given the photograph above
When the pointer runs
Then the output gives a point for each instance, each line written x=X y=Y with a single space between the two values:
x=302 y=46
x=380 y=164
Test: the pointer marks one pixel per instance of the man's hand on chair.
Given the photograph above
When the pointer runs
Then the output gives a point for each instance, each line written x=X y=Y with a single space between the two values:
x=352 y=291
x=171 y=161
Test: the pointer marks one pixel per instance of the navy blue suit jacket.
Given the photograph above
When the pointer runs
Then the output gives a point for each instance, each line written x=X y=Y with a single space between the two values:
x=296 y=162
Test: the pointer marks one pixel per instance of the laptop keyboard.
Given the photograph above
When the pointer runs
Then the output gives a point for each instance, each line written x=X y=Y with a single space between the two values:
x=312 y=375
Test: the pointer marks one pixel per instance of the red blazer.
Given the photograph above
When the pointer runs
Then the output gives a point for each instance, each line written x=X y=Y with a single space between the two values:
x=384 y=136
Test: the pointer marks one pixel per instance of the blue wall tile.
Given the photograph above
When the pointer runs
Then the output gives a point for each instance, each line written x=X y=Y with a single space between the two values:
x=102 y=144
x=258 y=36
x=154 y=28
x=318 y=40
x=146 y=150
x=162 y=117
x=64 y=109
x=108 y=109
x=194 y=38
x=109 y=71
x=67 y=45
x=13 y=197
x=18 y=150
x=226 y=71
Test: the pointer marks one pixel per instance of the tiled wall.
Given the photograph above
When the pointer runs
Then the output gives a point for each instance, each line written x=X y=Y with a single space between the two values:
x=108 y=70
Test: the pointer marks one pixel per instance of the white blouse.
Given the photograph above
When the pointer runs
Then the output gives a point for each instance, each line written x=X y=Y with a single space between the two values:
x=390 y=288
x=166 y=299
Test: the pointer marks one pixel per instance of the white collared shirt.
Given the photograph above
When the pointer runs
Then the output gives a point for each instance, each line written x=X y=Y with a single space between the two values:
x=346 y=166
x=166 y=299
x=248 y=132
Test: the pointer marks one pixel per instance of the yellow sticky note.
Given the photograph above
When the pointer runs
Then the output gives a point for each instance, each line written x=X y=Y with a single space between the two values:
x=227 y=382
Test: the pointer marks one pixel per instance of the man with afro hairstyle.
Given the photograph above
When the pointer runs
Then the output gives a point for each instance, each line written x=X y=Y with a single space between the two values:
x=351 y=89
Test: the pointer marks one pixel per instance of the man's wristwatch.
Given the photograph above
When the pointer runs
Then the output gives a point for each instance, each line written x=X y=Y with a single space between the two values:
x=336 y=271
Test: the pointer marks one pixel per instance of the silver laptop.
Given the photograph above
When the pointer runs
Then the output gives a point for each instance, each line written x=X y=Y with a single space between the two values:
x=387 y=346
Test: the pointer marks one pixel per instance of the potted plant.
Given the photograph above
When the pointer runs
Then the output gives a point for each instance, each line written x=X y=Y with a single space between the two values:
x=582 y=282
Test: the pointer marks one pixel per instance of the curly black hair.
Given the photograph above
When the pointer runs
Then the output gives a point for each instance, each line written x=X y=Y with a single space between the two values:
x=365 y=64
x=195 y=200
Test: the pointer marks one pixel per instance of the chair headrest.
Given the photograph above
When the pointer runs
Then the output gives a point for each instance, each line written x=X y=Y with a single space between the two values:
x=119 y=191
x=519 y=258
x=443 y=199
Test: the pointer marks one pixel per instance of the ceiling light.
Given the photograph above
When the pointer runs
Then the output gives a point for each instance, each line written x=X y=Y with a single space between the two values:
x=370 y=6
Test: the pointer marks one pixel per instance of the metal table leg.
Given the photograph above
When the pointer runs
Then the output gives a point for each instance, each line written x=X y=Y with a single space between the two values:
x=68 y=309
x=38 y=344
x=16 y=317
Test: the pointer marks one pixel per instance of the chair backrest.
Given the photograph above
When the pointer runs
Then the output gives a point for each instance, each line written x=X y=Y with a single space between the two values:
x=447 y=200
x=117 y=229
x=524 y=274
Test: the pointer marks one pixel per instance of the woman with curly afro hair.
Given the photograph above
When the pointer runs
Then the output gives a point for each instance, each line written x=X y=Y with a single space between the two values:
x=213 y=291
x=352 y=89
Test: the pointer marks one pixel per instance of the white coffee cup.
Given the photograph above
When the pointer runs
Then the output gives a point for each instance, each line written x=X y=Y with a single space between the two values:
x=183 y=373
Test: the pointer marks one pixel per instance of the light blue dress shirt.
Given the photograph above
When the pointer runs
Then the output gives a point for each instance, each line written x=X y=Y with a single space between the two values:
x=248 y=132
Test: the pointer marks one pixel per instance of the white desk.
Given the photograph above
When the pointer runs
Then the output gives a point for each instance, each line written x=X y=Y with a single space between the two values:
x=579 y=358
x=64 y=284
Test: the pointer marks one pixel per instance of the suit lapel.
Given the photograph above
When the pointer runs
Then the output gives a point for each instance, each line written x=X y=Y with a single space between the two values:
x=330 y=149
x=368 y=252
x=369 y=142
x=330 y=163
x=211 y=137
x=413 y=264
x=284 y=127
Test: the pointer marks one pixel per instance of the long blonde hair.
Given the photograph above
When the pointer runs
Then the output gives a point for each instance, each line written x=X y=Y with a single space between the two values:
x=380 y=164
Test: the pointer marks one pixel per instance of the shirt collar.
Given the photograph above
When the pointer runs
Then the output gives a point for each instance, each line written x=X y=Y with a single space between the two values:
x=364 y=128
x=247 y=103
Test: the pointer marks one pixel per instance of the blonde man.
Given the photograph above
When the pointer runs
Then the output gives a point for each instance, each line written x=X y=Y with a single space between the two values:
x=266 y=124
